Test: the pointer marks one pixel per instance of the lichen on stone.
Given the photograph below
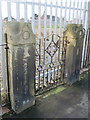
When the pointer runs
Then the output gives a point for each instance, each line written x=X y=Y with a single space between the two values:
x=73 y=33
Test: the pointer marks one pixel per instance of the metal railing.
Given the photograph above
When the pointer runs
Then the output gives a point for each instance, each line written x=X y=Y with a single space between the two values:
x=86 y=61
x=50 y=74
x=54 y=19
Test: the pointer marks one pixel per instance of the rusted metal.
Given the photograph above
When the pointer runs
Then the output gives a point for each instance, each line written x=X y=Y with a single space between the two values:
x=87 y=50
x=51 y=75
x=6 y=47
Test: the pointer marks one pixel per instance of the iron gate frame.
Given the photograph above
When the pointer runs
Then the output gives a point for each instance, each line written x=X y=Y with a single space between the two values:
x=42 y=85
x=83 y=10
x=86 y=61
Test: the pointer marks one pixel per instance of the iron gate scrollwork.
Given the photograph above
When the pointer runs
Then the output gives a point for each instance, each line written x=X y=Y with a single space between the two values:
x=50 y=62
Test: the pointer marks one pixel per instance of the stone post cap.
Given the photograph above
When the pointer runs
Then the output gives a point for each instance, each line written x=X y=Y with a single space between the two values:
x=74 y=33
x=19 y=33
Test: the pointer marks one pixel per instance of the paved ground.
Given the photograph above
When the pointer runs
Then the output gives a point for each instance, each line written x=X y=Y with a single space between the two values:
x=72 y=102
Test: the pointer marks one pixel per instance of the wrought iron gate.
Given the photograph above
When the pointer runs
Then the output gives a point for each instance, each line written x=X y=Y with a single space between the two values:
x=50 y=62
x=71 y=14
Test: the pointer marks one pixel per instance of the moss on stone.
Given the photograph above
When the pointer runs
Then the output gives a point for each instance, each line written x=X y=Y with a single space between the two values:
x=73 y=33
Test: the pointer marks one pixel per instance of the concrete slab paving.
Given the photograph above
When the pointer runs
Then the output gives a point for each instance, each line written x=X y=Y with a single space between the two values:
x=72 y=102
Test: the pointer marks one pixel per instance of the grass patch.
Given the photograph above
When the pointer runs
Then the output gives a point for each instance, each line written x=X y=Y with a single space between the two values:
x=52 y=92
x=55 y=91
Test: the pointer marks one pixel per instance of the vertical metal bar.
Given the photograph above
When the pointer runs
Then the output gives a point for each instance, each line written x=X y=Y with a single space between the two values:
x=9 y=10
x=43 y=78
x=50 y=59
x=85 y=48
x=77 y=12
x=44 y=60
x=45 y=20
x=80 y=21
x=85 y=26
x=50 y=20
x=39 y=63
x=57 y=73
x=54 y=73
x=65 y=14
x=62 y=58
x=84 y=12
x=86 y=16
x=39 y=20
x=73 y=11
x=47 y=77
x=59 y=43
x=25 y=11
x=60 y=48
x=86 y=44
x=61 y=19
x=60 y=55
x=45 y=30
x=69 y=12
x=33 y=19
x=87 y=41
x=65 y=47
x=55 y=29
x=39 y=40
x=7 y=66
x=50 y=74
x=18 y=10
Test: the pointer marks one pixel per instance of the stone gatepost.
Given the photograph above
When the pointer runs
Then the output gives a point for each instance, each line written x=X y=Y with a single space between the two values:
x=0 y=106
x=21 y=64
x=75 y=36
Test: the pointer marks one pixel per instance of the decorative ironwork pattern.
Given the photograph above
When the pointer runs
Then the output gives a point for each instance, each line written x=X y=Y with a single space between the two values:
x=50 y=63
x=51 y=46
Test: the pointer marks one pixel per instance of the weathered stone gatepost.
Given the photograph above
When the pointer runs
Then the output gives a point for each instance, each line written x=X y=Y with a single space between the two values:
x=0 y=106
x=21 y=64
x=75 y=36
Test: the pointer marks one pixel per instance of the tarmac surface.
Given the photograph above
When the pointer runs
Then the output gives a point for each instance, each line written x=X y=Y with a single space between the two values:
x=72 y=102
